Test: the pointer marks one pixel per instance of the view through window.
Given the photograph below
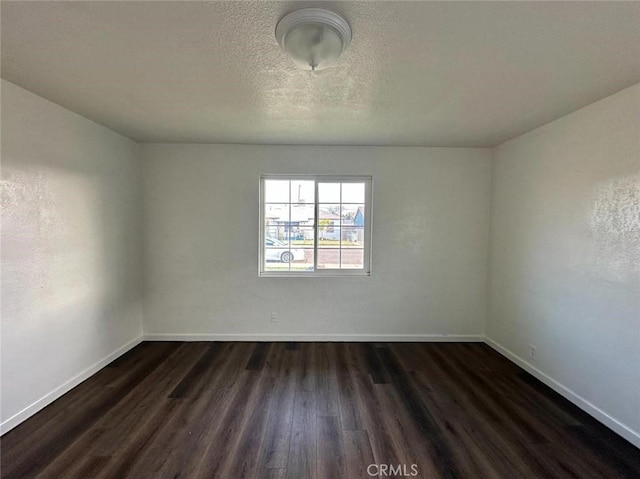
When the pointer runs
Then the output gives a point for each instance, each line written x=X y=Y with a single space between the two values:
x=315 y=224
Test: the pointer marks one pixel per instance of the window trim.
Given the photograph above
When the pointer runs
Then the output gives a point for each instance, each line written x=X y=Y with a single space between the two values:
x=368 y=207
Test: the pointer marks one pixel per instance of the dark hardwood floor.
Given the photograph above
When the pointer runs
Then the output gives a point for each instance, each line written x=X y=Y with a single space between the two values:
x=314 y=410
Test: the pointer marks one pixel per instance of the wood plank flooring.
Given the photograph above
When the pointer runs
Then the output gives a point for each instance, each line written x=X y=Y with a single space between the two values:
x=314 y=410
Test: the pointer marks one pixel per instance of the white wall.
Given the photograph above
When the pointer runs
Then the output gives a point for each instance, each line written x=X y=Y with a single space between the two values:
x=70 y=250
x=565 y=256
x=430 y=245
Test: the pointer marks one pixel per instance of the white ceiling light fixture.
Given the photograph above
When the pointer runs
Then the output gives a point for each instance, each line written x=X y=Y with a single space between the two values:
x=314 y=37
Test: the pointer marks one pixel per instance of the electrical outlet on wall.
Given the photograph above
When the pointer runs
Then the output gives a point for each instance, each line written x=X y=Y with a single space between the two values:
x=274 y=317
x=533 y=349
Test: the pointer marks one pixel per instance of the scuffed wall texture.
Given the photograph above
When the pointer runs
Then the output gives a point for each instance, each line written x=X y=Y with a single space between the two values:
x=565 y=252
x=70 y=246
x=430 y=243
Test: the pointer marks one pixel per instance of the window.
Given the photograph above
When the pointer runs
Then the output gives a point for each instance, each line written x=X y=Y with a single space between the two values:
x=315 y=225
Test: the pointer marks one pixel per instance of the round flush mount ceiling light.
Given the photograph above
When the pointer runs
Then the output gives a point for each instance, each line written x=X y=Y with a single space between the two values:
x=313 y=37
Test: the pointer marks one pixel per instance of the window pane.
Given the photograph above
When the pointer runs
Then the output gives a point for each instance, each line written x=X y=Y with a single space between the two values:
x=276 y=191
x=270 y=233
x=329 y=237
x=352 y=258
x=275 y=241
x=352 y=237
x=329 y=214
x=303 y=191
x=277 y=254
x=353 y=192
x=302 y=214
x=328 y=192
x=272 y=266
x=303 y=237
x=328 y=259
x=276 y=214
x=352 y=214
x=303 y=259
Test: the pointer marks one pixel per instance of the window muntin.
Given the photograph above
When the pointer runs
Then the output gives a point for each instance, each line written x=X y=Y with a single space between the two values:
x=315 y=225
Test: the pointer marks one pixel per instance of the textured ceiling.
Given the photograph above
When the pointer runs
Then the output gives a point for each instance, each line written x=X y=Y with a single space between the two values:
x=417 y=73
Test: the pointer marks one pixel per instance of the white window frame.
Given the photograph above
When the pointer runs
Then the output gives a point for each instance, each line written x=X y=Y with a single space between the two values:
x=368 y=195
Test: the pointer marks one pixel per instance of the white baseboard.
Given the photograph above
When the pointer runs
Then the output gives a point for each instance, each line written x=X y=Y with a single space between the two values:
x=315 y=337
x=629 y=434
x=48 y=398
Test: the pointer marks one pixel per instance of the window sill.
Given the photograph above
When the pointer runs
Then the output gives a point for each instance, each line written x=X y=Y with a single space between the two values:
x=315 y=274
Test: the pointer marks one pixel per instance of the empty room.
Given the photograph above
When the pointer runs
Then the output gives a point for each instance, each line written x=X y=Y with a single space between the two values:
x=328 y=240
